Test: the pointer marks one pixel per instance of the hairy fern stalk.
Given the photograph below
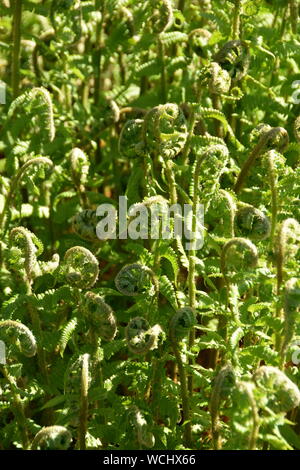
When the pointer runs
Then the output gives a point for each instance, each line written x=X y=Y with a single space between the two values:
x=148 y=337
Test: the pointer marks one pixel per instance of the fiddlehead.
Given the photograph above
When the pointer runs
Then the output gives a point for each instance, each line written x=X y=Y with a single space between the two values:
x=165 y=130
x=181 y=323
x=41 y=98
x=84 y=225
x=235 y=58
x=136 y=279
x=238 y=254
x=130 y=140
x=291 y=307
x=209 y=166
x=52 y=438
x=140 y=337
x=198 y=41
x=283 y=395
x=224 y=381
x=79 y=170
x=276 y=138
x=80 y=267
x=100 y=316
x=297 y=129
x=18 y=333
x=30 y=248
x=218 y=79
x=38 y=161
x=223 y=207
x=162 y=16
x=252 y=223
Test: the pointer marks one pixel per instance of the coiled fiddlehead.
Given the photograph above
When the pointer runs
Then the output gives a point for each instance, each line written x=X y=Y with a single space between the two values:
x=165 y=130
x=238 y=254
x=136 y=279
x=140 y=337
x=276 y=138
x=40 y=97
x=223 y=207
x=162 y=16
x=84 y=225
x=21 y=335
x=291 y=307
x=30 y=248
x=224 y=381
x=235 y=58
x=209 y=166
x=182 y=322
x=297 y=129
x=219 y=80
x=283 y=395
x=52 y=438
x=198 y=41
x=144 y=436
x=252 y=223
x=80 y=267
x=38 y=161
x=130 y=140
x=100 y=316
x=79 y=166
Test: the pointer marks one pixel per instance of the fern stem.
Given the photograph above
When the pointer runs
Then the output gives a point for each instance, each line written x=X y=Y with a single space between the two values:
x=274 y=201
x=171 y=182
x=163 y=76
x=83 y=418
x=184 y=392
x=191 y=258
x=294 y=15
x=191 y=125
x=16 y=38
x=236 y=20
x=18 y=408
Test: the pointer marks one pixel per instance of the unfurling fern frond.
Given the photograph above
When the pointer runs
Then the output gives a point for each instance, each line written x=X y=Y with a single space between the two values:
x=252 y=223
x=84 y=224
x=136 y=279
x=165 y=130
x=18 y=333
x=181 y=323
x=40 y=97
x=52 y=438
x=80 y=267
x=100 y=316
x=140 y=337
x=238 y=254
x=283 y=395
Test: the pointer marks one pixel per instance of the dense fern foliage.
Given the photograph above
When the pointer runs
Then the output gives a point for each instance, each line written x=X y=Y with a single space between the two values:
x=135 y=342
